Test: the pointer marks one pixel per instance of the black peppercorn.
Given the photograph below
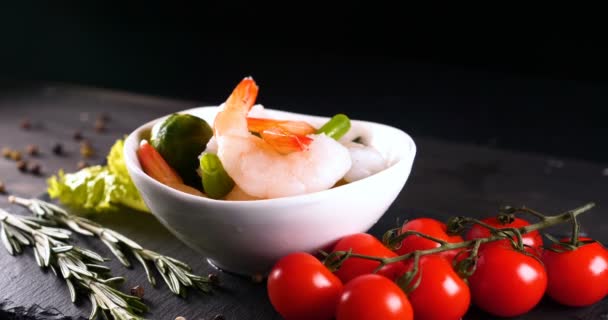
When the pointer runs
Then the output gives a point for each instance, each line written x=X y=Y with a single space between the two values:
x=22 y=165
x=35 y=168
x=213 y=279
x=57 y=149
x=137 y=291
x=77 y=135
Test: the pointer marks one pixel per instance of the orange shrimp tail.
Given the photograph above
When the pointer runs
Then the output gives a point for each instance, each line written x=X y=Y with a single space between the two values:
x=285 y=142
x=300 y=128
x=243 y=95
x=236 y=108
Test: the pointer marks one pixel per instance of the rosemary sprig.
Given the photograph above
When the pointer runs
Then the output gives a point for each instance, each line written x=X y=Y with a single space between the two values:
x=79 y=267
x=176 y=274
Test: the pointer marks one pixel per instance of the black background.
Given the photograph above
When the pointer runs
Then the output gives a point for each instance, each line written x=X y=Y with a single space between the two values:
x=531 y=79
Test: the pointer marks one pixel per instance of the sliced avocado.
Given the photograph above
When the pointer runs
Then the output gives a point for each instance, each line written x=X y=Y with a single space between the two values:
x=180 y=139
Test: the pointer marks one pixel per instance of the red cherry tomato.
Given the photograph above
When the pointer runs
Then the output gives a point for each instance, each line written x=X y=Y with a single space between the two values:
x=364 y=243
x=301 y=287
x=507 y=283
x=431 y=227
x=577 y=278
x=440 y=284
x=373 y=297
x=533 y=240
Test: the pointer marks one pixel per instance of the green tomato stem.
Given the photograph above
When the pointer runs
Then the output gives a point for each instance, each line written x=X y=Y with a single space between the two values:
x=408 y=233
x=546 y=222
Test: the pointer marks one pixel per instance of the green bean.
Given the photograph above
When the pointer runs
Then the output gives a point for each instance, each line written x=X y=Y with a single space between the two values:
x=216 y=182
x=336 y=127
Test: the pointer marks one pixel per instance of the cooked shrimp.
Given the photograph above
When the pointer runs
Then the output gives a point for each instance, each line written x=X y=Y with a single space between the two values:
x=258 y=168
x=366 y=161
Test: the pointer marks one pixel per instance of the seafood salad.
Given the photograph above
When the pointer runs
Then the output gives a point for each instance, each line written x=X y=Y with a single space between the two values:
x=244 y=155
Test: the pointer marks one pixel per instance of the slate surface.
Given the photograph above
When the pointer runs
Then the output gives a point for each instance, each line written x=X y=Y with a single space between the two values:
x=447 y=179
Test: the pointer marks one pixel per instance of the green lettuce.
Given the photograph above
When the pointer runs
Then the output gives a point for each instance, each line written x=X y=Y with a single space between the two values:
x=98 y=188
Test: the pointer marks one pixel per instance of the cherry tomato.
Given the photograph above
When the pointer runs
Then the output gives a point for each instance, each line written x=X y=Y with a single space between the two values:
x=364 y=243
x=577 y=277
x=373 y=297
x=440 y=284
x=533 y=240
x=431 y=227
x=507 y=283
x=301 y=287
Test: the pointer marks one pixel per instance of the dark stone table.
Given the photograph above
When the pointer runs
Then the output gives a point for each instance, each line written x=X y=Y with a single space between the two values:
x=447 y=179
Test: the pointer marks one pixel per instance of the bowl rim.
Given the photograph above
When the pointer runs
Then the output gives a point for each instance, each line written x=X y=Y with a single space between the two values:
x=134 y=167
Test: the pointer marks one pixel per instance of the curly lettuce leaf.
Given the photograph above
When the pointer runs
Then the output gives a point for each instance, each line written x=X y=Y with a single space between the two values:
x=98 y=188
x=129 y=196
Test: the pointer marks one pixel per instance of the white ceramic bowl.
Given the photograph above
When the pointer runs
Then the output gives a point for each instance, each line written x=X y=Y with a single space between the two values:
x=248 y=237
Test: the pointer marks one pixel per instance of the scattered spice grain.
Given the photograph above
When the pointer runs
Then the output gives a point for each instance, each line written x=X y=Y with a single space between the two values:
x=15 y=155
x=25 y=124
x=100 y=125
x=77 y=135
x=22 y=165
x=82 y=164
x=214 y=279
x=57 y=148
x=35 y=168
x=86 y=150
x=137 y=291
x=257 y=278
x=32 y=150
x=104 y=116
x=6 y=152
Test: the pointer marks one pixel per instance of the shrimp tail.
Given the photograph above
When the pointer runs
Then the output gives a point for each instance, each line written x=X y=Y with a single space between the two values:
x=285 y=142
x=236 y=108
x=243 y=96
